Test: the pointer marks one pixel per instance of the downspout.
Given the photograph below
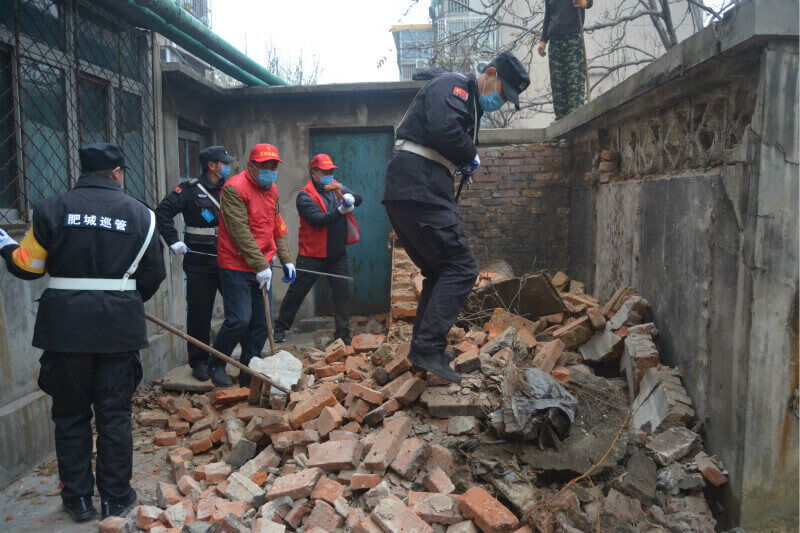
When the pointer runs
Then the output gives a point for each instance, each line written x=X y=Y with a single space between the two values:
x=145 y=18
x=180 y=18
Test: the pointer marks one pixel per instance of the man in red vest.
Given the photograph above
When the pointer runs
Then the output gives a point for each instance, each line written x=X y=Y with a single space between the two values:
x=327 y=226
x=251 y=232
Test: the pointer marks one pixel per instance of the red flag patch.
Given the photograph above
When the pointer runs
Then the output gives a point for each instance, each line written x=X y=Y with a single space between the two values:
x=461 y=93
x=177 y=189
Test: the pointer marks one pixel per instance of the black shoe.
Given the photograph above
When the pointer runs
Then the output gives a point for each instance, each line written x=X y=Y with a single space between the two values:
x=346 y=340
x=436 y=364
x=279 y=335
x=80 y=508
x=449 y=355
x=200 y=372
x=218 y=376
x=244 y=379
x=119 y=507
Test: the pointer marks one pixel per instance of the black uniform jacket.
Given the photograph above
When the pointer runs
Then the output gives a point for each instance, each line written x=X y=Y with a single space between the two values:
x=331 y=218
x=93 y=231
x=443 y=116
x=198 y=211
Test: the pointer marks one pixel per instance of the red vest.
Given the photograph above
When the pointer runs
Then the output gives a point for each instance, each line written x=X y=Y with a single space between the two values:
x=265 y=223
x=314 y=241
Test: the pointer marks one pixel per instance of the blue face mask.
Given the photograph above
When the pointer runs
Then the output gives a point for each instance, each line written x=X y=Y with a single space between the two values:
x=266 y=177
x=491 y=103
x=326 y=180
x=225 y=171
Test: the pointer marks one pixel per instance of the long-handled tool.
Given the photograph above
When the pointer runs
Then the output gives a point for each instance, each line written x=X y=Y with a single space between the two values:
x=257 y=393
x=348 y=278
x=259 y=377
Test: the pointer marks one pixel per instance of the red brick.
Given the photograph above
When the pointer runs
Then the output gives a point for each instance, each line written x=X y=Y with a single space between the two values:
x=367 y=342
x=116 y=524
x=259 y=478
x=465 y=346
x=411 y=457
x=167 y=438
x=147 y=516
x=248 y=412
x=438 y=481
x=167 y=494
x=596 y=318
x=489 y=514
x=355 y=362
x=503 y=356
x=441 y=457
x=299 y=510
x=327 y=490
x=388 y=443
x=527 y=338
x=336 y=455
x=180 y=427
x=154 y=418
x=201 y=443
x=367 y=525
x=364 y=481
x=398 y=365
x=391 y=388
x=190 y=414
x=276 y=424
x=310 y=408
x=391 y=514
x=187 y=484
x=329 y=419
x=561 y=373
x=335 y=351
x=358 y=410
x=575 y=333
x=324 y=371
x=230 y=396
x=353 y=427
x=366 y=394
x=432 y=507
x=178 y=465
x=287 y=440
x=297 y=485
x=323 y=516
x=467 y=362
x=409 y=391
x=710 y=471
x=216 y=473
x=548 y=355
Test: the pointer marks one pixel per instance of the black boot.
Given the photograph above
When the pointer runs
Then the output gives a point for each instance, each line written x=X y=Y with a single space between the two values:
x=218 y=376
x=244 y=379
x=80 y=508
x=279 y=335
x=200 y=372
x=438 y=364
x=119 y=507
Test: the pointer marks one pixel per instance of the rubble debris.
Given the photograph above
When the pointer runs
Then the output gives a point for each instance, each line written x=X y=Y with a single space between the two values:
x=529 y=296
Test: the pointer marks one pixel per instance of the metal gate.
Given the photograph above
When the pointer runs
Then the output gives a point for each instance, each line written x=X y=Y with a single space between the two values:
x=361 y=157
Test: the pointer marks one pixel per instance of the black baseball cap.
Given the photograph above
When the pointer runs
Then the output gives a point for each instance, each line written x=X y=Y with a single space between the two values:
x=513 y=75
x=101 y=156
x=215 y=153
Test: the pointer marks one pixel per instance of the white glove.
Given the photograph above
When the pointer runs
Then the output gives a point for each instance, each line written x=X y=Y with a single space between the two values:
x=265 y=278
x=179 y=247
x=344 y=209
x=349 y=199
x=6 y=240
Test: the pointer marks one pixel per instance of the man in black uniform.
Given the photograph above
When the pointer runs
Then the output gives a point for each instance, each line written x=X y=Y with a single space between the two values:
x=436 y=137
x=327 y=226
x=104 y=258
x=197 y=200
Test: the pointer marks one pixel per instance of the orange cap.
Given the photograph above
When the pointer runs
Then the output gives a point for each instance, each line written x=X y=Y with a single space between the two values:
x=264 y=152
x=323 y=162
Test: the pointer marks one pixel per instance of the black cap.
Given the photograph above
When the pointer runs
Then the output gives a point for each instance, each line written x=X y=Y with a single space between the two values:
x=215 y=153
x=101 y=156
x=513 y=75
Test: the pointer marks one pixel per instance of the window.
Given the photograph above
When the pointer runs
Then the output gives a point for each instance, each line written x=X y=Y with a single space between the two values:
x=8 y=193
x=41 y=20
x=130 y=139
x=189 y=143
x=457 y=6
x=93 y=111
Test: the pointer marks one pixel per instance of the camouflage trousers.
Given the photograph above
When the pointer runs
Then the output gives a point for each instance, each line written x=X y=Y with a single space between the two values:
x=567 y=76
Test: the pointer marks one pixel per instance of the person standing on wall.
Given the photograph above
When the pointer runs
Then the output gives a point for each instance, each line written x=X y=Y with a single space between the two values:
x=251 y=232
x=436 y=137
x=102 y=252
x=197 y=200
x=563 y=29
x=327 y=227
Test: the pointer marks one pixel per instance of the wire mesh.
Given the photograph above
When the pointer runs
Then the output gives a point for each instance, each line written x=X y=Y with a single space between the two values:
x=70 y=74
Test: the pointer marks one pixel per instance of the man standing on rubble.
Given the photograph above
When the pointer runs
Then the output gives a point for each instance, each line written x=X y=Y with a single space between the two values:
x=197 y=200
x=327 y=226
x=251 y=232
x=102 y=252
x=437 y=137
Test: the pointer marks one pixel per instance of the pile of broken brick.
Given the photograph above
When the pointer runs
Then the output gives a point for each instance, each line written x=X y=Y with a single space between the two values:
x=362 y=444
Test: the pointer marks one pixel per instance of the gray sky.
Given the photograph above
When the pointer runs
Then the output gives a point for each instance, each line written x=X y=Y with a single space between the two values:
x=349 y=36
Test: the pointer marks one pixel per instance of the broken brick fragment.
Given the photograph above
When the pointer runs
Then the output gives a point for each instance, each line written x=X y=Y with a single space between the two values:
x=327 y=490
x=489 y=514
x=230 y=396
x=154 y=418
x=367 y=342
x=388 y=443
x=297 y=485
x=309 y=409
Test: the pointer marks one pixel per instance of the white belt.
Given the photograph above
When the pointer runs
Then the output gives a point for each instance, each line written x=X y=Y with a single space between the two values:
x=424 y=151
x=106 y=284
x=202 y=231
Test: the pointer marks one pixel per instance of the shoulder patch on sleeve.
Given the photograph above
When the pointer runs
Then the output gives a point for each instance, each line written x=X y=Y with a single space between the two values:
x=461 y=93
x=177 y=189
x=191 y=181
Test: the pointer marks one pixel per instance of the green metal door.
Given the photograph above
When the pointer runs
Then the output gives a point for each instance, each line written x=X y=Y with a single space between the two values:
x=361 y=157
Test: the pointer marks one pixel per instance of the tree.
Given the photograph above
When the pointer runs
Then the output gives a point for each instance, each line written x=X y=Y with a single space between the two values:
x=295 y=70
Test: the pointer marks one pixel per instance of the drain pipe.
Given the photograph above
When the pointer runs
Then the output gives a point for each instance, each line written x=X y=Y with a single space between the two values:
x=181 y=19
x=145 y=18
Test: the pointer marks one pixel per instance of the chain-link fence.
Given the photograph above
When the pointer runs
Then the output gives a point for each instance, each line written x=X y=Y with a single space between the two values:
x=70 y=74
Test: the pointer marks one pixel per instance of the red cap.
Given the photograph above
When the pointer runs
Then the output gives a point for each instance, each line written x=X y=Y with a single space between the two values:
x=323 y=162
x=264 y=152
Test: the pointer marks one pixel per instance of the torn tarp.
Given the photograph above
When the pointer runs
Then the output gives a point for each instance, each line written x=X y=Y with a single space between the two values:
x=536 y=407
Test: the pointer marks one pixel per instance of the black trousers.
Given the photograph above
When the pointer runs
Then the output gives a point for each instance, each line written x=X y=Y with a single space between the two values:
x=299 y=289
x=201 y=290
x=434 y=241
x=81 y=384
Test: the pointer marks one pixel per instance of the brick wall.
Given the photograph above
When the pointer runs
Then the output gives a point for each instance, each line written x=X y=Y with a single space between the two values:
x=517 y=207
